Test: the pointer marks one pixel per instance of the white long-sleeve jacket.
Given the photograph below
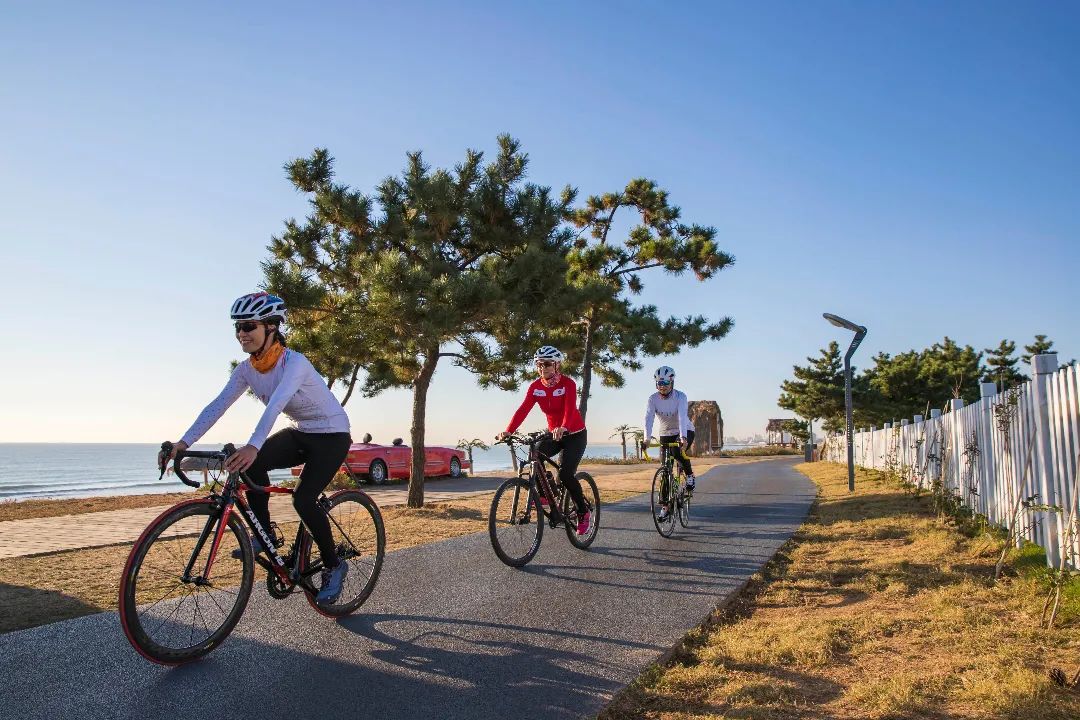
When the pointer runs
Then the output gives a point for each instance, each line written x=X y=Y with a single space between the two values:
x=674 y=419
x=293 y=386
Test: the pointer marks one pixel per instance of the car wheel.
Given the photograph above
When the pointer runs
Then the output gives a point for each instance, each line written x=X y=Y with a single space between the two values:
x=455 y=467
x=377 y=472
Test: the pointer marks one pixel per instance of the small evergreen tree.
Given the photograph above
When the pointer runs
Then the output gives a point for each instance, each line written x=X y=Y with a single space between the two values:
x=1041 y=346
x=1001 y=366
x=817 y=391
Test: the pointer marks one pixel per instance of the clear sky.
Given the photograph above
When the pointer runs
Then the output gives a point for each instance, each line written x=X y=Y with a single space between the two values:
x=914 y=166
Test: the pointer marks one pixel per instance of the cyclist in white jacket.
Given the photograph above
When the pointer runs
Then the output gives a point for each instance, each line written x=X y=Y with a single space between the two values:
x=670 y=405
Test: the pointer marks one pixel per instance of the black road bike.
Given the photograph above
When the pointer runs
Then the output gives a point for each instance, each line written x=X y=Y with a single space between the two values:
x=188 y=577
x=669 y=493
x=524 y=504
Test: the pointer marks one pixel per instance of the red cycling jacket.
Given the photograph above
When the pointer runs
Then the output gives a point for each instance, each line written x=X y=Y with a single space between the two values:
x=559 y=403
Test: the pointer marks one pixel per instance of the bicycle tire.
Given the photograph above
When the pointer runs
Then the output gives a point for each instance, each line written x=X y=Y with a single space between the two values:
x=684 y=507
x=356 y=524
x=163 y=549
x=661 y=484
x=510 y=525
x=592 y=500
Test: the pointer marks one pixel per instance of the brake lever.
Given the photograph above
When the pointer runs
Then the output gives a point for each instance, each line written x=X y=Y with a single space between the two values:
x=229 y=449
x=166 y=449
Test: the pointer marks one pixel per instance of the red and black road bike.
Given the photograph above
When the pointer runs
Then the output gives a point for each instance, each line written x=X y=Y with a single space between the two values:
x=523 y=504
x=188 y=577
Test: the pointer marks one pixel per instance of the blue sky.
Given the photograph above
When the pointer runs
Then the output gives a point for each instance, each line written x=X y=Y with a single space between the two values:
x=913 y=166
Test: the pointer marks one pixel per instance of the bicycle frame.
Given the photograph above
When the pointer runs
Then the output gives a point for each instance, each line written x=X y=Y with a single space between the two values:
x=538 y=479
x=233 y=495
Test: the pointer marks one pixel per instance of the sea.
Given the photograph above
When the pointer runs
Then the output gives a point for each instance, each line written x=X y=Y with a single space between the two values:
x=71 y=470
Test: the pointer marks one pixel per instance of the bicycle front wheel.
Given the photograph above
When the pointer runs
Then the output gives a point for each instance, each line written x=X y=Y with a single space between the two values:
x=515 y=523
x=661 y=501
x=356 y=525
x=175 y=604
x=592 y=504
x=684 y=507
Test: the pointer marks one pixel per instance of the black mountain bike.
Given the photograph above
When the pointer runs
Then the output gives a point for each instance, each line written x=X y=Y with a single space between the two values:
x=189 y=576
x=522 y=505
x=669 y=493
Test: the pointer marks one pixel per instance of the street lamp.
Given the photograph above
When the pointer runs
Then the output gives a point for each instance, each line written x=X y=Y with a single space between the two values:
x=860 y=333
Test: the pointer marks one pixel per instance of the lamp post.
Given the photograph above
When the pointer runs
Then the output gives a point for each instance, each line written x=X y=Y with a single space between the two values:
x=860 y=333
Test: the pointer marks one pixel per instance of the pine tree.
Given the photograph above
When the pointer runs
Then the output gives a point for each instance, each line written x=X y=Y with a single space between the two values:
x=1001 y=366
x=817 y=392
x=1041 y=346
x=606 y=332
x=449 y=267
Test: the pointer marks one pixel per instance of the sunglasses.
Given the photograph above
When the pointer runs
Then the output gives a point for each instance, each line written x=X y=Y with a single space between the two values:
x=545 y=363
x=663 y=383
x=246 y=326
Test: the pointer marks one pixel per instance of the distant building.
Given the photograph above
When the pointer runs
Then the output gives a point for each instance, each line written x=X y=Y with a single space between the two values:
x=775 y=433
x=708 y=427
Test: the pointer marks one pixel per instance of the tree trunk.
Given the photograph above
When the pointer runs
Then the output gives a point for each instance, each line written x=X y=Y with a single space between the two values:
x=472 y=471
x=586 y=369
x=623 y=446
x=419 y=413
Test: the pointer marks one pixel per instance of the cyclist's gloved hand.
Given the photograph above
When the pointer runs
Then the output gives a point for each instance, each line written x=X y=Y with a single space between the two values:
x=501 y=436
x=178 y=446
x=242 y=459
x=558 y=432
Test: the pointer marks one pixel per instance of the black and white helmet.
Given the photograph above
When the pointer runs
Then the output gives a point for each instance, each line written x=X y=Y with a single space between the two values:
x=258 y=306
x=549 y=352
x=665 y=373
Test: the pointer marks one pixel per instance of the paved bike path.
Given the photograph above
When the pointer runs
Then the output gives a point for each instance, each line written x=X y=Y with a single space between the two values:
x=450 y=632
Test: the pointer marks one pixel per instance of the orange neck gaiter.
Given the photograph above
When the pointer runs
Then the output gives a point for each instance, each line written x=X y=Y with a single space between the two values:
x=266 y=362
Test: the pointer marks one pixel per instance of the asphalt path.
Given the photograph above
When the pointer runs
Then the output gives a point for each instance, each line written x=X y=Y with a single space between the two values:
x=450 y=632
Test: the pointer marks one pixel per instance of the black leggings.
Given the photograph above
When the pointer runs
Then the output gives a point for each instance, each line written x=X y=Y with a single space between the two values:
x=572 y=447
x=677 y=453
x=322 y=455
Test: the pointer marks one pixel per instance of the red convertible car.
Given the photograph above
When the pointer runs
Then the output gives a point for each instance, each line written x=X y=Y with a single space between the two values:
x=379 y=463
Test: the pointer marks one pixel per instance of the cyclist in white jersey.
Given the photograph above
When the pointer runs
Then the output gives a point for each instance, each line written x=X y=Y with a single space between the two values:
x=286 y=382
x=670 y=406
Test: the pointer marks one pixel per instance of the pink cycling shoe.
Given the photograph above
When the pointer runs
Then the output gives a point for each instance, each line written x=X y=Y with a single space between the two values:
x=583 y=523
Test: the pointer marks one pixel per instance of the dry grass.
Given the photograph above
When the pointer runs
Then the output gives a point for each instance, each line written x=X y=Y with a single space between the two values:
x=23 y=509
x=874 y=609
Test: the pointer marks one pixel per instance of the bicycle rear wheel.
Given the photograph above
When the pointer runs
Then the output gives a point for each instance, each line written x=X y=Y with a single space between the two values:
x=592 y=503
x=661 y=499
x=356 y=525
x=515 y=523
x=176 y=606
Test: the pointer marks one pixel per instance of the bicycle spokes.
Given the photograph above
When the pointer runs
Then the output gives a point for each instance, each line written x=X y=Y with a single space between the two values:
x=175 y=604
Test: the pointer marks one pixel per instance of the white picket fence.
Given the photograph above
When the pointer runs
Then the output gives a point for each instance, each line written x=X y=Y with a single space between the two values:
x=994 y=472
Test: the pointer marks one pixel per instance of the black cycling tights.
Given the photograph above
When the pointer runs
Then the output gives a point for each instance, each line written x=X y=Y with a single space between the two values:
x=677 y=453
x=321 y=455
x=572 y=447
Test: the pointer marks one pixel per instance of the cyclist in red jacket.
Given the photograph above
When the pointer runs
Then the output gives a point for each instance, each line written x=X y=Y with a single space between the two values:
x=557 y=396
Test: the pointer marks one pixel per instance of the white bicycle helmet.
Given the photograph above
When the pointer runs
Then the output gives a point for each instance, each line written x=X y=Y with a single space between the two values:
x=258 y=306
x=664 y=373
x=549 y=352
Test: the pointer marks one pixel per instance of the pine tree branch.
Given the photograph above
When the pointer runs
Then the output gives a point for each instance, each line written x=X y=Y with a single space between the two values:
x=634 y=269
